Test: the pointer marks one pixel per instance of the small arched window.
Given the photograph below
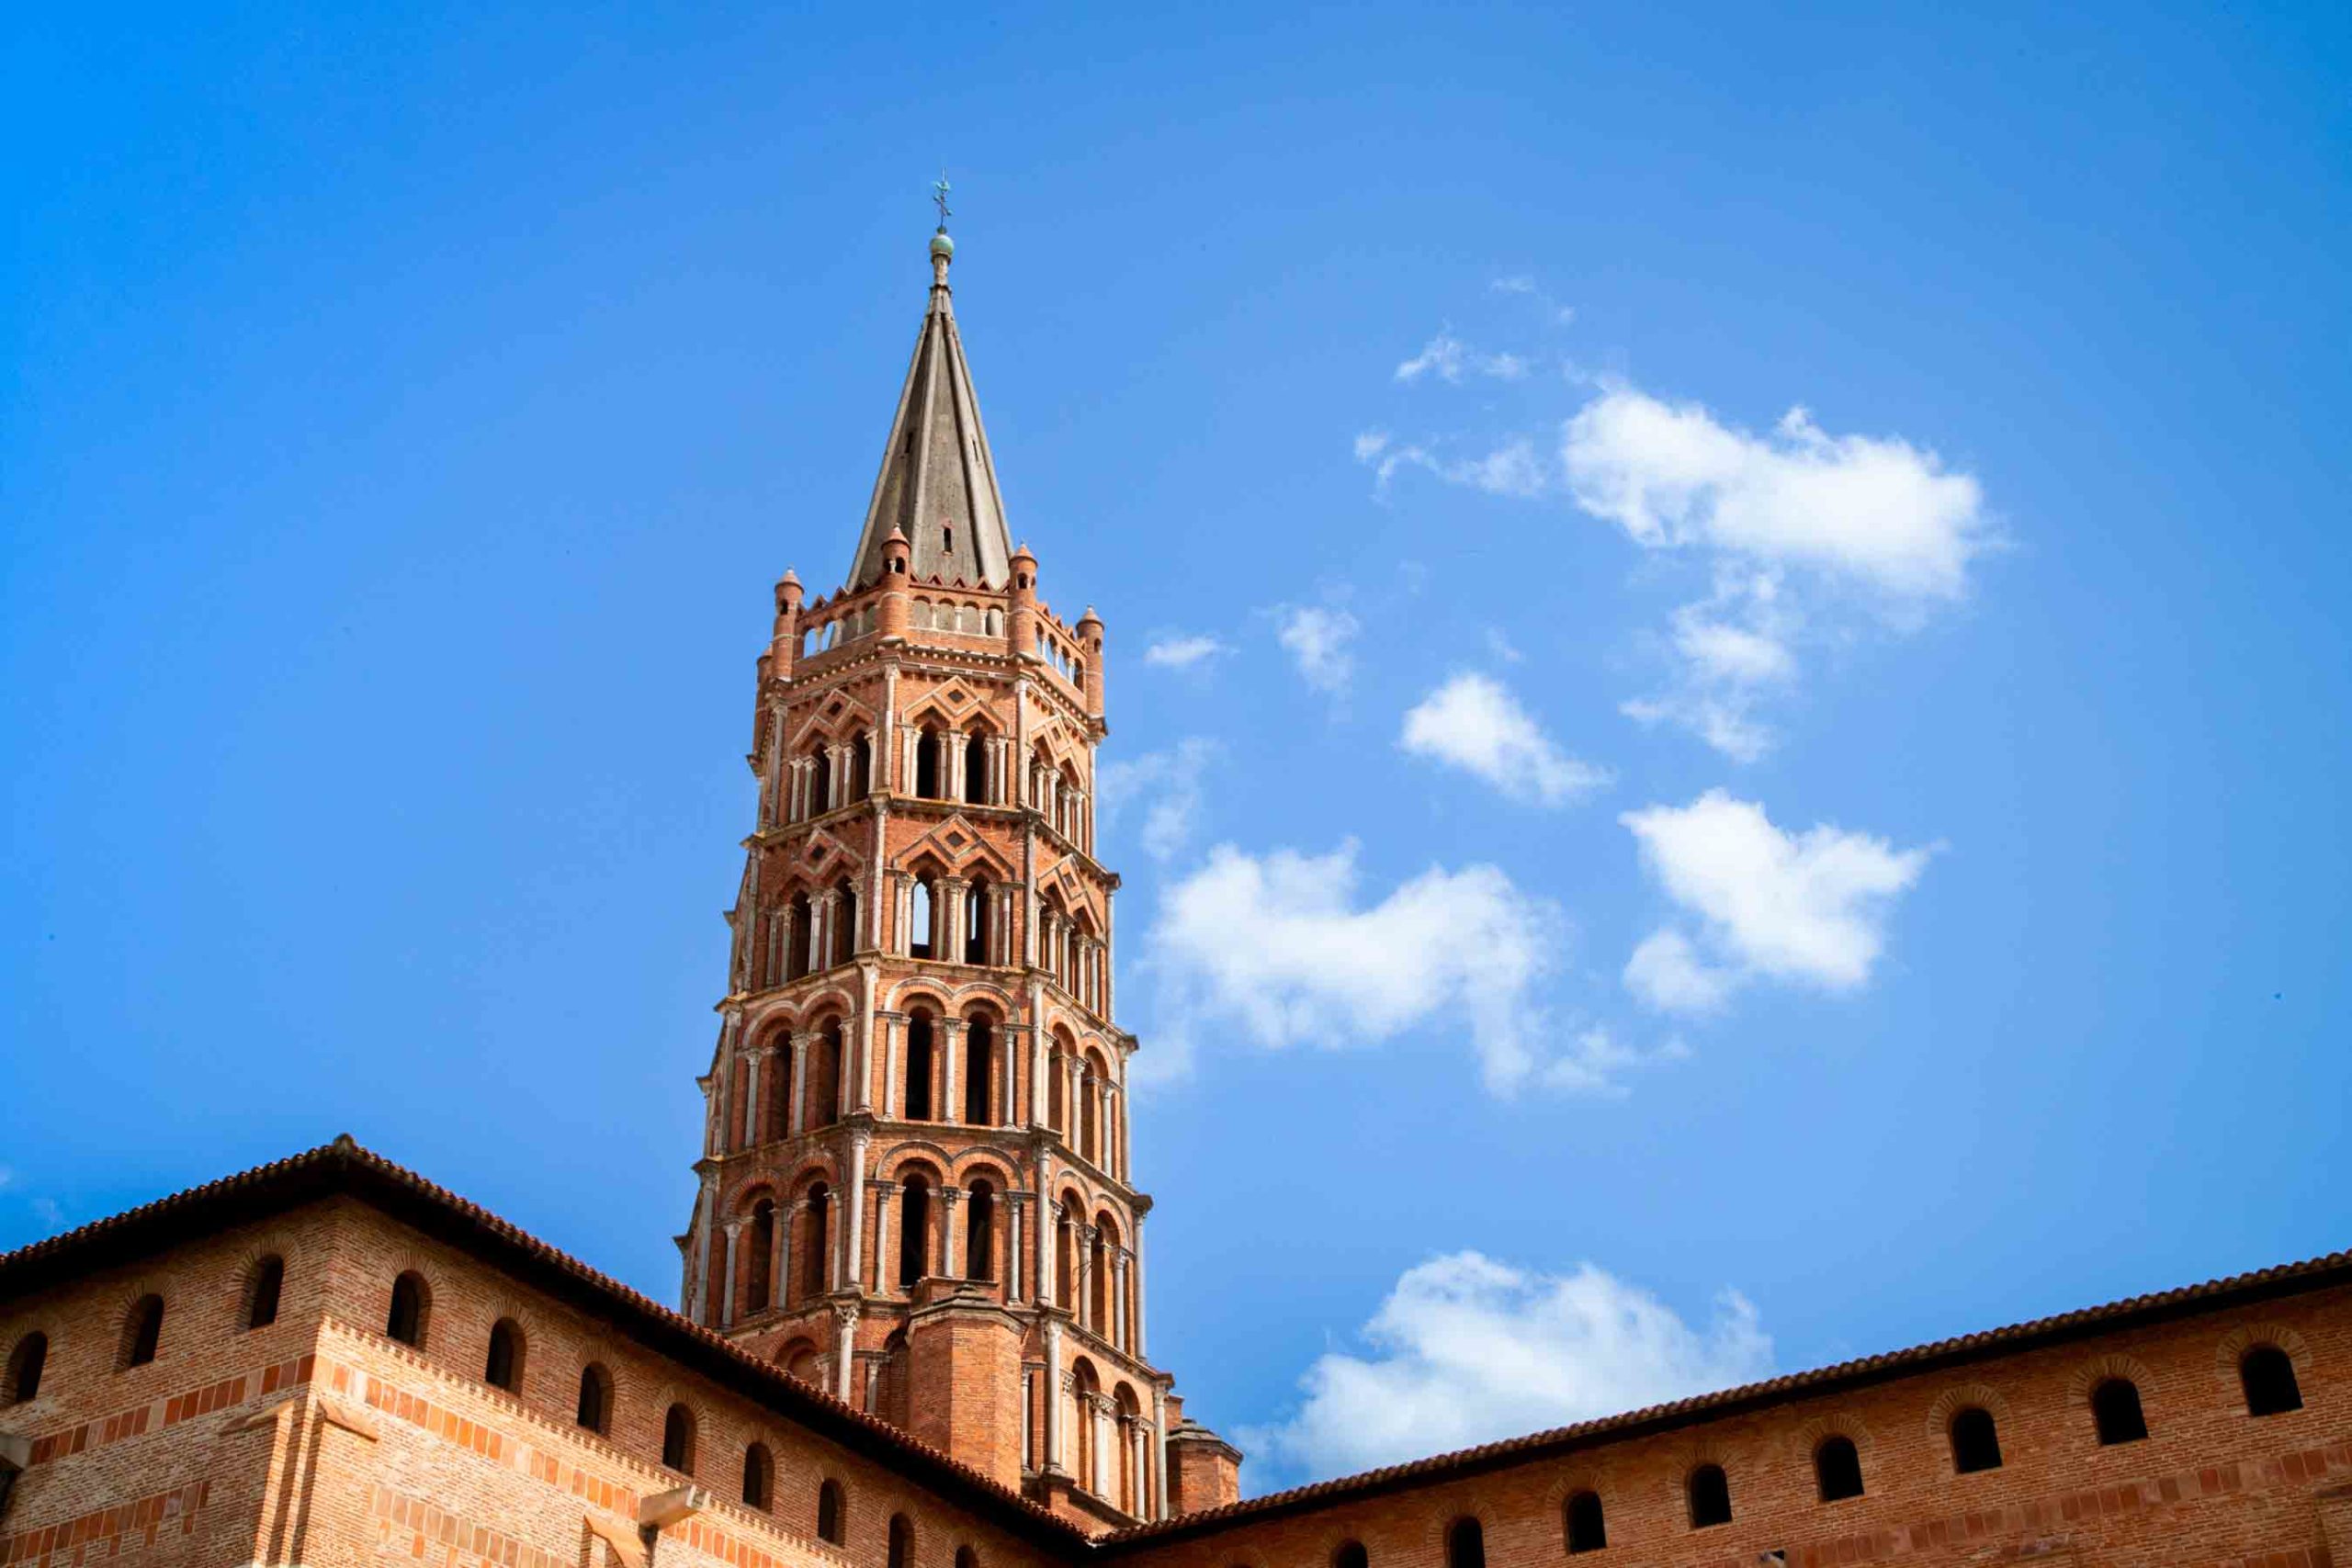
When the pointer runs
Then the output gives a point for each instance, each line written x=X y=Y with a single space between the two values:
x=903 y=1541
x=821 y=780
x=1351 y=1554
x=758 y=1476
x=920 y=920
x=976 y=769
x=25 y=1364
x=1837 y=1470
x=595 y=1409
x=502 y=1368
x=678 y=1439
x=980 y=1232
x=979 y=1068
x=1710 y=1496
x=921 y=1041
x=844 y=921
x=1588 y=1530
x=861 y=767
x=2268 y=1375
x=967 y=1557
x=2116 y=1413
x=411 y=1301
x=1974 y=1444
x=927 y=764
x=830 y=1523
x=143 y=1332
x=262 y=1290
x=1465 y=1544
x=914 y=1233
x=976 y=899
x=760 y=1283
x=816 y=1268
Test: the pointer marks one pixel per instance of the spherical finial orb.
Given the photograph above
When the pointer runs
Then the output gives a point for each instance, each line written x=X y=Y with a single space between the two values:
x=940 y=245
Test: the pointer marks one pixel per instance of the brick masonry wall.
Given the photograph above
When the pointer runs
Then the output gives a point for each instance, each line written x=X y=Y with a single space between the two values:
x=319 y=1440
x=2210 y=1485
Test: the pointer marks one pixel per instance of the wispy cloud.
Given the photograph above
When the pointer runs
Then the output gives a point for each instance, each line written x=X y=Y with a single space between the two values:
x=1527 y=288
x=1181 y=652
x=1760 y=902
x=1473 y=722
x=1166 y=785
x=1320 y=640
x=1450 y=359
x=1515 y=467
x=1466 y=1349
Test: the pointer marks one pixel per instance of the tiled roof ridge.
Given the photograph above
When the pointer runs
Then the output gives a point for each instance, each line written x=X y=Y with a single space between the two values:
x=347 y=1150
x=1767 y=1389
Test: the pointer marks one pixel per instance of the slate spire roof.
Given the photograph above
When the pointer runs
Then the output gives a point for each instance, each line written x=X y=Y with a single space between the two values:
x=938 y=480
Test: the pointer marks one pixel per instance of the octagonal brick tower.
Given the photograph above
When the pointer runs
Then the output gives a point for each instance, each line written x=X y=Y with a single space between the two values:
x=915 y=1185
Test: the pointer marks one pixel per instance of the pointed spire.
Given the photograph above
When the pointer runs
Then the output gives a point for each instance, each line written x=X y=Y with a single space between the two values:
x=938 y=485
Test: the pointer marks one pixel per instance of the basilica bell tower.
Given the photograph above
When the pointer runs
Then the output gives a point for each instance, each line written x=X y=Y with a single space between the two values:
x=916 y=1189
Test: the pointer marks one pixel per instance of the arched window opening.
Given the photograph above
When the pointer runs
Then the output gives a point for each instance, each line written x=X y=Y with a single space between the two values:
x=798 y=937
x=594 y=1411
x=2269 y=1378
x=821 y=780
x=1098 y=1272
x=25 y=1364
x=1975 y=1445
x=914 y=1232
x=1057 y=1095
x=828 y=1513
x=979 y=1068
x=976 y=899
x=861 y=767
x=678 y=1439
x=927 y=763
x=1837 y=1470
x=814 y=1277
x=2116 y=1413
x=502 y=1368
x=1086 y=1388
x=976 y=769
x=1090 y=1102
x=844 y=921
x=405 y=1322
x=967 y=1557
x=919 y=917
x=758 y=1476
x=1351 y=1554
x=1066 y=1258
x=1710 y=1496
x=1465 y=1544
x=143 y=1331
x=919 y=1037
x=1588 y=1531
x=268 y=1282
x=903 y=1541
x=980 y=1232
x=824 y=1087
x=760 y=1278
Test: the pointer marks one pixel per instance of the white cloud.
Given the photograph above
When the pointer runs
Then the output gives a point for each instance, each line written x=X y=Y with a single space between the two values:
x=1167 y=785
x=1874 y=510
x=1450 y=359
x=1809 y=907
x=1181 y=652
x=1320 y=642
x=1467 y=1349
x=1280 y=949
x=1727 y=651
x=1475 y=723
x=1514 y=469
x=1501 y=647
x=1561 y=314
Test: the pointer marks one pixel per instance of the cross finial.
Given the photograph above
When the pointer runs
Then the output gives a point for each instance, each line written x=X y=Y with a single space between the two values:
x=939 y=198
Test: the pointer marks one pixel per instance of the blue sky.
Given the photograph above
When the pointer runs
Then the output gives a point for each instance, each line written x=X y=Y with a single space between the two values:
x=1631 y=876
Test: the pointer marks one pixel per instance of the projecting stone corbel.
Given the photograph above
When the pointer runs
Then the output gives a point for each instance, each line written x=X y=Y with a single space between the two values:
x=666 y=1509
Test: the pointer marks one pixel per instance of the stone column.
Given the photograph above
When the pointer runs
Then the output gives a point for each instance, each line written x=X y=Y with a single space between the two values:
x=885 y=1277
x=1044 y=1277
x=790 y=1224
x=1016 y=1211
x=837 y=760
x=1105 y=1133
x=950 y=764
x=1159 y=1448
x=780 y=1254
x=951 y=1064
x=821 y=938
x=1104 y=1417
x=1119 y=1300
x=844 y=1347
x=734 y=1235
x=855 y=1270
x=799 y=1081
x=700 y=1307
x=751 y=1098
x=1056 y=1384
x=894 y=1089
x=1137 y=1308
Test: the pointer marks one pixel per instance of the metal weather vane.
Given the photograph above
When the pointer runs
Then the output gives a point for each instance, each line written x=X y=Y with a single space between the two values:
x=939 y=198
